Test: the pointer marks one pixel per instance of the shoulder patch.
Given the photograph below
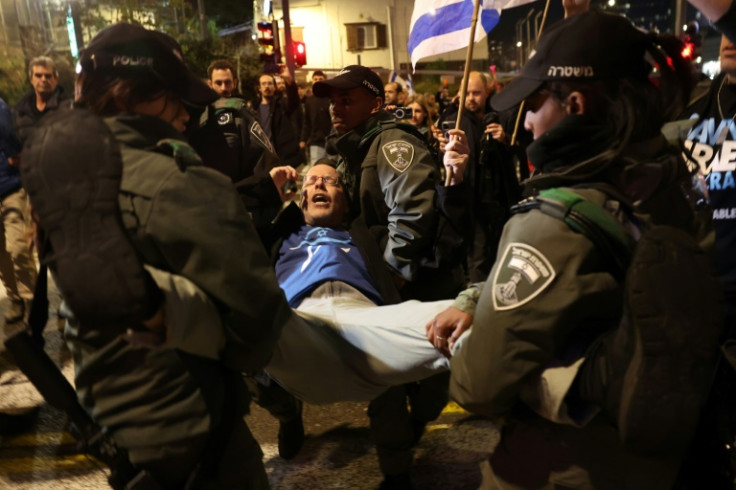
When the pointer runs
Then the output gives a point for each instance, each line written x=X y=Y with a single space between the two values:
x=523 y=272
x=399 y=154
x=257 y=131
x=184 y=154
x=224 y=118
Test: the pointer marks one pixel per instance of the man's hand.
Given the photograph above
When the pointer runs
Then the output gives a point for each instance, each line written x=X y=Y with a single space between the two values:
x=280 y=176
x=496 y=131
x=437 y=133
x=573 y=7
x=444 y=330
x=456 y=155
x=286 y=75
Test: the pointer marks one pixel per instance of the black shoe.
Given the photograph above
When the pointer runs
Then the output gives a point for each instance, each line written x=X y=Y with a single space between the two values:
x=291 y=436
x=18 y=421
x=396 y=482
x=16 y=312
x=71 y=170
x=417 y=427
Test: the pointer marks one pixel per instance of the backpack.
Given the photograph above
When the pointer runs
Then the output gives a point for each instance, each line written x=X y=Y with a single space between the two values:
x=669 y=286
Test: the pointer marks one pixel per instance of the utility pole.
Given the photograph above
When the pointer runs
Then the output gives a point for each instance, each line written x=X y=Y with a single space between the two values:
x=288 y=46
x=680 y=7
x=203 y=33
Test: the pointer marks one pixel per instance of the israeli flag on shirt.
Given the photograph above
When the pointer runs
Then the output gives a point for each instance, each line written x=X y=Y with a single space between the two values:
x=439 y=26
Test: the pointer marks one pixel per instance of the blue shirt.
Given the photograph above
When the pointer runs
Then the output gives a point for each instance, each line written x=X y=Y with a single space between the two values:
x=315 y=255
x=9 y=146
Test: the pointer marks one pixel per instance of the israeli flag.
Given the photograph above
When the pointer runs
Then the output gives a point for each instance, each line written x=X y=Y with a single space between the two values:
x=439 y=26
x=407 y=85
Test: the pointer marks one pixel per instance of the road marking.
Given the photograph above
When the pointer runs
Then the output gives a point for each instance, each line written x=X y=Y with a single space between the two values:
x=433 y=427
x=453 y=407
x=38 y=439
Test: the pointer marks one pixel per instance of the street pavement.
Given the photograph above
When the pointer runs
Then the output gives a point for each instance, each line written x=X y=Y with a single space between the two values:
x=337 y=453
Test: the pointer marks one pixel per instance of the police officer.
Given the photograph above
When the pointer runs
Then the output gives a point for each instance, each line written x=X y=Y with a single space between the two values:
x=546 y=351
x=229 y=138
x=391 y=177
x=155 y=376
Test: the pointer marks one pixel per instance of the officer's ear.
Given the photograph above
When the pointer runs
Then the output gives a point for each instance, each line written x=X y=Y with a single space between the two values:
x=377 y=105
x=209 y=84
x=575 y=103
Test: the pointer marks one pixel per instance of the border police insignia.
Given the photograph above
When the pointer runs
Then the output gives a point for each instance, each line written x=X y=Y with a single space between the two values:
x=399 y=154
x=522 y=273
x=224 y=118
x=257 y=131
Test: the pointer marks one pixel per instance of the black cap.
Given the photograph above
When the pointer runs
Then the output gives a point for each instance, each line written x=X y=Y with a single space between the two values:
x=352 y=76
x=132 y=49
x=586 y=46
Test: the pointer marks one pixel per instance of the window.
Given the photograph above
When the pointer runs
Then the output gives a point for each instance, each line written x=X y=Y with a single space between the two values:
x=366 y=35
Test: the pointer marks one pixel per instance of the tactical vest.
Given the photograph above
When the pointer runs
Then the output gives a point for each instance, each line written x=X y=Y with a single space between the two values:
x=230 y=140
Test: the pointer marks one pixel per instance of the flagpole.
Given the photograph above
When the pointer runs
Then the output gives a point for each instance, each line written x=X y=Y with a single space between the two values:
x=464 y=83
x=521 y=106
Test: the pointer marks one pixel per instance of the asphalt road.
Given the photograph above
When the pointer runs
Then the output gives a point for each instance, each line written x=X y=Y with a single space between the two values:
x=337 y=454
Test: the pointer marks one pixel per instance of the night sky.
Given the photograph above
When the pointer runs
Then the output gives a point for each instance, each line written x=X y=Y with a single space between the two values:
x=648 y=14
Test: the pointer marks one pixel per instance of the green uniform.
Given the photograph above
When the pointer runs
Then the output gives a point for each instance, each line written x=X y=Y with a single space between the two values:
x=163 y=404
x=549 y=295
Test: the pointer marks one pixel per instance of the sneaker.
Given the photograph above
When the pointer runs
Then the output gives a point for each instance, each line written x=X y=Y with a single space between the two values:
x=291 y=435
x=71 y=170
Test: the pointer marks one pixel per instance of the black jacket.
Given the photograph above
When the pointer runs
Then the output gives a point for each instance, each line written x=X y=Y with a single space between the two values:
x=26 y=116
x=283 y=136
x=317 y=121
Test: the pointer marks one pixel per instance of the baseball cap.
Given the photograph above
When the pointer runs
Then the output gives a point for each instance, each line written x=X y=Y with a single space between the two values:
x=131 y=49
x=352 y=76
x=587 y=46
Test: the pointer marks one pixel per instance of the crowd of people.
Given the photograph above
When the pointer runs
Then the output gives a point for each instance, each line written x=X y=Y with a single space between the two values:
x=352 y=241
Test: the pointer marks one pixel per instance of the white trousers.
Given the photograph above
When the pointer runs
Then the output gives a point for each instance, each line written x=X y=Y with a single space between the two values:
x=337 y=346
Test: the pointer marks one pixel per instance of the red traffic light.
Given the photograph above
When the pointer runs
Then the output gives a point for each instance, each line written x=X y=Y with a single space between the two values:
x=300 y=53
x=688 y=50
x=266 y=28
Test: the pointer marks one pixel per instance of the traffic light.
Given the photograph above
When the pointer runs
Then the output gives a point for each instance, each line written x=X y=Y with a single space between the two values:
x=269 y=39
x=300 y=53
x=688 y=50
x=691 y=43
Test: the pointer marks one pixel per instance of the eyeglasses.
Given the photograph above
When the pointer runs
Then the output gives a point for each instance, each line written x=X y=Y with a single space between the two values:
x=312 y=180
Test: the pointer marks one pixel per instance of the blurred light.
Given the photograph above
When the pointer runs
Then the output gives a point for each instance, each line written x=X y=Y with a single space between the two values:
x=687 y=51
x=711 y=68
x=611 y=3
x=518 y=44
